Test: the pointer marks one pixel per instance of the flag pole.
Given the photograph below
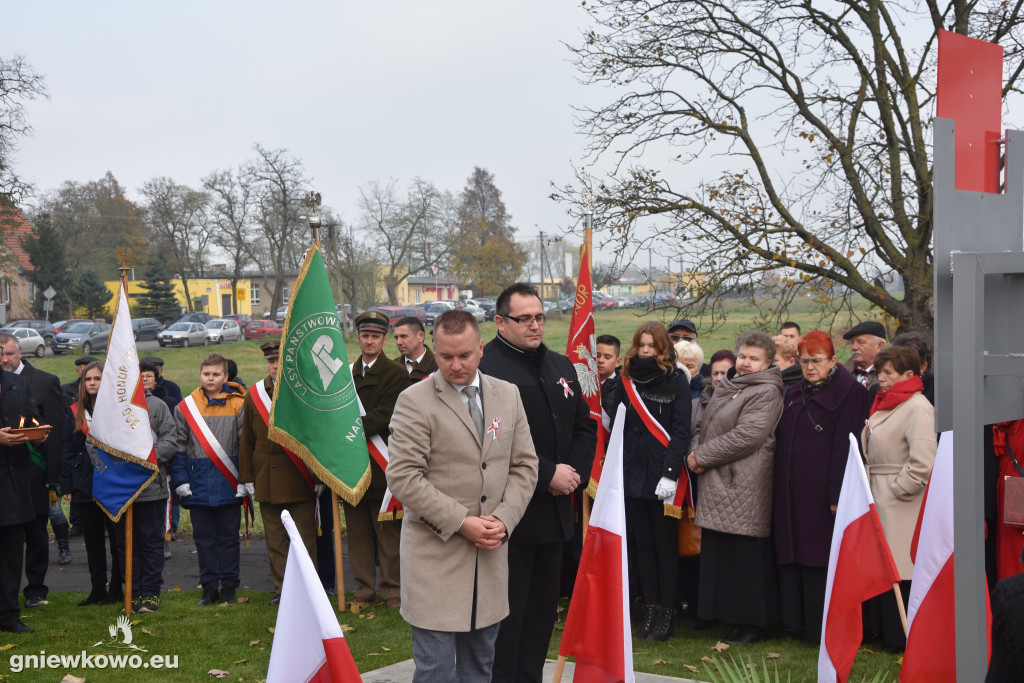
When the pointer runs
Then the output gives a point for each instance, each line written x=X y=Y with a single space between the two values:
x=903 y=610
x=588 y=244
x=339 y=568
x=129 y=525
x=559 y=667
x=312 y=200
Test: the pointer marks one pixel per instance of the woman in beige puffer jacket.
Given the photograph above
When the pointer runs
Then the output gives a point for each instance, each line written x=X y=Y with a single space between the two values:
x=734 y=458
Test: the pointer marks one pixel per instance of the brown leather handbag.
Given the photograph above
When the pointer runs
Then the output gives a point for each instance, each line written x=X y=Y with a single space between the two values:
x=1013 y=495
x=689 y=534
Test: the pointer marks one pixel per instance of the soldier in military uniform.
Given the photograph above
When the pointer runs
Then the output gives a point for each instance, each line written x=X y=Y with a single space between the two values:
x=280 y=480
x=417 y=358
x=378 y=382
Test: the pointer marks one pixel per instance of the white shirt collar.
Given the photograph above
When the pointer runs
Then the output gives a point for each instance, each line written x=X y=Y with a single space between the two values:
x=21 y=366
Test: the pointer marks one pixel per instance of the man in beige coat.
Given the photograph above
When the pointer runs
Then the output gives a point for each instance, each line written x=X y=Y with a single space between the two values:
x=463 y=464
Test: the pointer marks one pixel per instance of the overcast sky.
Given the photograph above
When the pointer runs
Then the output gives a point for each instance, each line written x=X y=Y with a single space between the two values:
x=360 y=91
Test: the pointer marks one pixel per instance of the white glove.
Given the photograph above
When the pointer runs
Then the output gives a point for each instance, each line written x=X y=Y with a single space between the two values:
x=665 y=489
x=245 y=491
x=318 y=489
x=183 y=490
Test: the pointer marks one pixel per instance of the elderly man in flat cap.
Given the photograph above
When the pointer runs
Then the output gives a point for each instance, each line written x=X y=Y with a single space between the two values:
x=378 y=382
x=280 y=480
x=866 y=340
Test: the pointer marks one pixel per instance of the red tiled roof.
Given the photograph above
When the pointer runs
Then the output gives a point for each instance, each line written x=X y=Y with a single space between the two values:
x=15 y=227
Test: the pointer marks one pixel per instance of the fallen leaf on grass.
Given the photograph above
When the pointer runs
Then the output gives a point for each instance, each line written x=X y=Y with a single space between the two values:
x=240 y=661
x=345 y=628
x=176 y=588
x=773 y=655
x=136 y=622
x=720 y=646
x=72 y=679
x=146 y=631
x=899 y=660
x=217 y=673
x=870 y=652
x=386 y=649
x=8 y=646
x=659 y=661
x=242 y=600
x=253 y=642
x=271 y=629
x=707 y=659
x=691 y=667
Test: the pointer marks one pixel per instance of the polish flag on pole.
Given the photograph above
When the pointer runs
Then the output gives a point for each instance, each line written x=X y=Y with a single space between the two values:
x=931 y=641
x=308 y=642
x=860 y=566
x=597 y=631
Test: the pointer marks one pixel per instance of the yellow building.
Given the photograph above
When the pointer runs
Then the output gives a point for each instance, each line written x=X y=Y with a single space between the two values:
x=210 y=295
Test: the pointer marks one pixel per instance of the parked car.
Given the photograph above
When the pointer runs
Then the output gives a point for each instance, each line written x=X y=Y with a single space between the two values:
x=61 y=324
x=477 y=312
x=396 y=313
x=90 y=336
x=489 y=309
x=434 y=309
x=223 y=330
x=44 y=328
x=183 y=335
x=241 y=318
x=258 y=329
x=30 y=342
x=146 y=328
x=281 y=314
x=195 y=317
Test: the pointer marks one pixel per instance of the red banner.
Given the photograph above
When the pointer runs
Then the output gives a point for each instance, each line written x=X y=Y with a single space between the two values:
x=582 y=351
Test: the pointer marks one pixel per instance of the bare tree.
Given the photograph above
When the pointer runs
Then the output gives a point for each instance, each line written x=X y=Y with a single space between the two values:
x=410 y=233
x=231 y=222
x=176 y=214
x=277 y=182
x=808 y=122
x=19 y=82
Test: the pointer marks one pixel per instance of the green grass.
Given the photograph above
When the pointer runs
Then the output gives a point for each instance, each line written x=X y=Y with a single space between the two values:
x=233 y=638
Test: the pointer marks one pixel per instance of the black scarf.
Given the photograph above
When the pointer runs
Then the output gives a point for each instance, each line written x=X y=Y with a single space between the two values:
x=814 y=388
x=652 y=381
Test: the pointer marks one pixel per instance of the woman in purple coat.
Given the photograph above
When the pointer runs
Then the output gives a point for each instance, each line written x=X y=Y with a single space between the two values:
x=812 y=443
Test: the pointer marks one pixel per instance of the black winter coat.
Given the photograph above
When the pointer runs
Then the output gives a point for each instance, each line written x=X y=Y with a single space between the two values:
x=76 y=465
x=645 y=461
x=561 y=427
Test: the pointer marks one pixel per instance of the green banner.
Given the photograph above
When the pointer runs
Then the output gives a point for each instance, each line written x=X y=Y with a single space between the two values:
x=315 y=413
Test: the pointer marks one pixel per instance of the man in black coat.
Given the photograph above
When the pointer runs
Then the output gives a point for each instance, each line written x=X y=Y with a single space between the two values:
x=49 y=406
x=565 y=437
x=16 y=508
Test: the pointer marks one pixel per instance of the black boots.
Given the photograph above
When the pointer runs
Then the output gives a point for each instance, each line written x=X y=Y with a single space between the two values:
x=96 y=596
x=662 y=624
x=211 y=596
x=227 y=594
x=650 y=612
x=62 y=535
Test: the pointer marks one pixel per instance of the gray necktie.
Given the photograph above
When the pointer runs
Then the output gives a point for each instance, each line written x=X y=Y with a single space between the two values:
x=474 y=411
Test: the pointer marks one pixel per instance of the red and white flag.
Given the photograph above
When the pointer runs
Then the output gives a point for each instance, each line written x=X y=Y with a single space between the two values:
x=860 y=566
x=309 y=645
x=931 y=641
x=597 y=630
x=581 y=348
